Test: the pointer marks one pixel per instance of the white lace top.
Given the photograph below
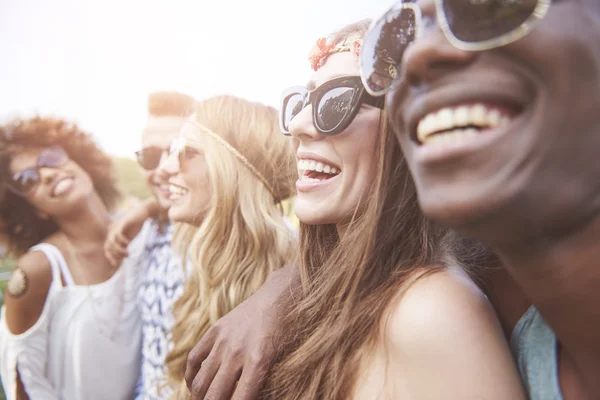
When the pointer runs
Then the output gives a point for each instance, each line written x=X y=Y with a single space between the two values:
x=85 y=344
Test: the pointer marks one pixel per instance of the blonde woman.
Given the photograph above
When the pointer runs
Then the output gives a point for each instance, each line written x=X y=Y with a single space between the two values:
x=228 y=172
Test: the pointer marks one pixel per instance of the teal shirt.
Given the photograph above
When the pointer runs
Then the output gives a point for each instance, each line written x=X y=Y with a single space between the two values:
x=534 y=346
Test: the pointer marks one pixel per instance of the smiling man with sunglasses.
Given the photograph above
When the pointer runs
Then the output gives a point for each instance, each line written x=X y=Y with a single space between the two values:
x=161 y=277
x=496 y=108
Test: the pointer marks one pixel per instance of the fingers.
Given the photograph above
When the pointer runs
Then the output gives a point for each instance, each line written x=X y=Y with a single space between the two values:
x=115 y=257
x=223 y=384
x=133 y=228
x=199 y=353
x=121 y=240
x=115 y=248
x=203 y=379
x=250 y=382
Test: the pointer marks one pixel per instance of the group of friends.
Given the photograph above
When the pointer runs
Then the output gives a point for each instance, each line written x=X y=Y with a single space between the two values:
x=443 y=164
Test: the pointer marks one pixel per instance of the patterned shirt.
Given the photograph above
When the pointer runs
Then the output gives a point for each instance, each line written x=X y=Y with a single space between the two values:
x=160 y=284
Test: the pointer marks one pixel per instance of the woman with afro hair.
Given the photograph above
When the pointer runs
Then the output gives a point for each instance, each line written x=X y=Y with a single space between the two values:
x=69 y=328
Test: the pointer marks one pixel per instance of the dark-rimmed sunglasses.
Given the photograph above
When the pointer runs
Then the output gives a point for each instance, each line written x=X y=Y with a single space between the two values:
x=149 y=157
x=470 y=25
x=335 y=104
x=22 y=182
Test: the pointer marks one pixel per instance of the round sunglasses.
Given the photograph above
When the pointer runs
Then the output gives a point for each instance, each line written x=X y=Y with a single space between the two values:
x=185 y=151
x=149 y=157
x=474 y=25
x=22 y=182
x=334 y=104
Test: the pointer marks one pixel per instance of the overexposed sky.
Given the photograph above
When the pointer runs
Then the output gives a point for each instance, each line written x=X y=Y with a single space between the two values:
x=95 y=61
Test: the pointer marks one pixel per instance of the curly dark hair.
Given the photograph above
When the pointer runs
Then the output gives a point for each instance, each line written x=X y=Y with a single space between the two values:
x=22 y=224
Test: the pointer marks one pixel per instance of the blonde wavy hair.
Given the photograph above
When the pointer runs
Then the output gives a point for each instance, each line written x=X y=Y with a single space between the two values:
x=242 y=237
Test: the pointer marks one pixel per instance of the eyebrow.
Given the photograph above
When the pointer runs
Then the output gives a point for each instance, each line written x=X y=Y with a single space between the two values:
x=310 y=86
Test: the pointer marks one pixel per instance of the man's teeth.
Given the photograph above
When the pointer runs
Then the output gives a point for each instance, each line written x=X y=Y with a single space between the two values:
x=311 y=165
x=177 y=190
x=463 y=121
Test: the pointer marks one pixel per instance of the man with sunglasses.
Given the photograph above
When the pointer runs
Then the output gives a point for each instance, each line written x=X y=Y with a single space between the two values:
x=496 y=108
x=161 y=277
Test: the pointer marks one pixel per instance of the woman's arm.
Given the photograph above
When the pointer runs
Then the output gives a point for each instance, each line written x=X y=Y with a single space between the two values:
x=26 y=294
x=446 y=343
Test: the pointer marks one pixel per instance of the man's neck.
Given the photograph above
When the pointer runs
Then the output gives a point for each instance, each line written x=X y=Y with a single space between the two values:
x=506 y=296
x=562 y=279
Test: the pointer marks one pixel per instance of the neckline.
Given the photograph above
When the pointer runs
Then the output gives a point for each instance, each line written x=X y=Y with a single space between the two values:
x=97 y=285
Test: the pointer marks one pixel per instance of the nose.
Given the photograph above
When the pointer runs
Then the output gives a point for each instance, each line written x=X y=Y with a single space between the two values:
x=169 y=165
x=161 y=173
x=431 y=55
x=47 y=175
x=302 y=127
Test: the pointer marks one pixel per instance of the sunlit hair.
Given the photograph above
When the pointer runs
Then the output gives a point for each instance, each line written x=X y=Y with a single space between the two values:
x=242 y=237
x=170 y=104
x=23 y=225
x=351 y=283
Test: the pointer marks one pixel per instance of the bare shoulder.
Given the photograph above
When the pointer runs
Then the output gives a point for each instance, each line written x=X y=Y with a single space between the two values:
x=442 y=332
x=26 y=291
x=446 y=299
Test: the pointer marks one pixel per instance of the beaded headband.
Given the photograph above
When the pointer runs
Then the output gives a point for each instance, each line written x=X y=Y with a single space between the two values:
x=238 y=155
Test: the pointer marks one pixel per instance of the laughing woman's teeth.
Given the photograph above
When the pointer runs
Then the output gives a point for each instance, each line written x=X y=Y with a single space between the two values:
x=316 y=166
x=177 y=190
x=458 y=123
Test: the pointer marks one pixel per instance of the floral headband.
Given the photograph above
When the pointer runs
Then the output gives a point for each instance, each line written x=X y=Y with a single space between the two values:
x=322 y=49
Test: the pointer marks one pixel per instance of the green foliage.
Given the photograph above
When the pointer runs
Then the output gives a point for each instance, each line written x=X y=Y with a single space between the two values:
x=131 y=180
x=6 y=264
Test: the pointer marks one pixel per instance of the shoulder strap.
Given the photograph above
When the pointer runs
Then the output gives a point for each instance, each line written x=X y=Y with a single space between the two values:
x=57 y=262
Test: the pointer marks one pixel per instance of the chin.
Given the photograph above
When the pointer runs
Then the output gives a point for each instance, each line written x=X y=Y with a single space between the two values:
x=183 y=216
x=310 y=216
x=163 y=202
x=486 y=217
x=176 y=215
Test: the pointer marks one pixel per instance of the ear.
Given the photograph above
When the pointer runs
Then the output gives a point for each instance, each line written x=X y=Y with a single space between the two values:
x=18 y=229
x=42 y=215
x=357 y=47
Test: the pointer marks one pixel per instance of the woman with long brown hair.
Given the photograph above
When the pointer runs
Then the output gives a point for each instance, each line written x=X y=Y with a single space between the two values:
x=385 y=312
x=69 y=327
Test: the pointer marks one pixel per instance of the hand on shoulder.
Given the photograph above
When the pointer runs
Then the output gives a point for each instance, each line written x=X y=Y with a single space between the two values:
x=26 y=291
x=126 y=228
x=445 y=341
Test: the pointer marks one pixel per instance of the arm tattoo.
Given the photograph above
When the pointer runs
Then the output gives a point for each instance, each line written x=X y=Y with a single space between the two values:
x=18 y=284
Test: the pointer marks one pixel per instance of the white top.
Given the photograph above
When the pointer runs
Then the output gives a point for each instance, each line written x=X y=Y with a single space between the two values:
x=85 y=344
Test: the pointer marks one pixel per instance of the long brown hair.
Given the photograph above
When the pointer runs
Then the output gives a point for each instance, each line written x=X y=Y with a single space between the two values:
x=350 y=282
